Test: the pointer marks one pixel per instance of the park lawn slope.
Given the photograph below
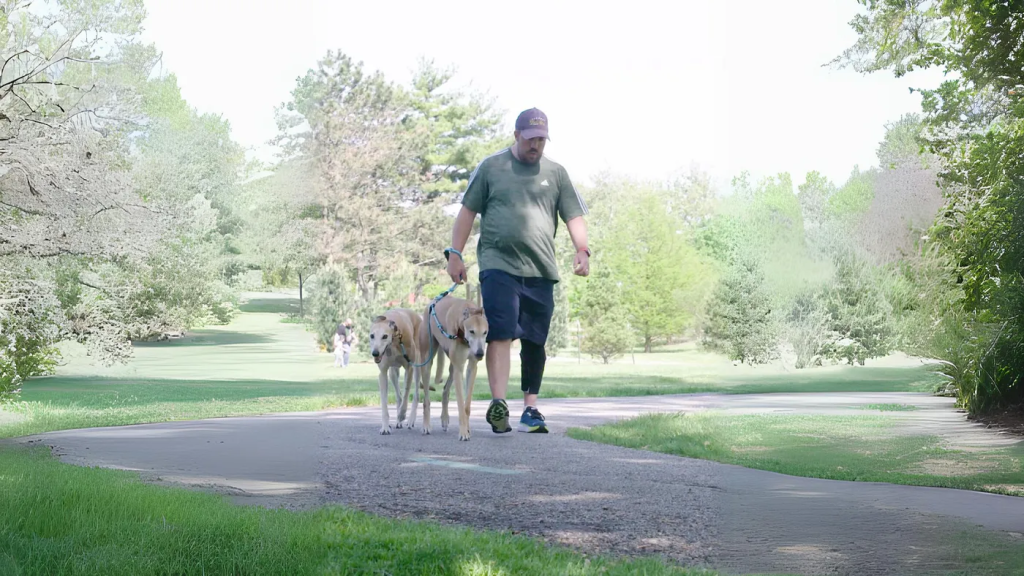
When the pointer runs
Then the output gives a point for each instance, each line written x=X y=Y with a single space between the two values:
x=62 y=519
x=855 y=448
x=69 y=402
x=259 y=365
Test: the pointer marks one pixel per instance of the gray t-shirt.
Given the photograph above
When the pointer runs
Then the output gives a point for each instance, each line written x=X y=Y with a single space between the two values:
x=519 y=206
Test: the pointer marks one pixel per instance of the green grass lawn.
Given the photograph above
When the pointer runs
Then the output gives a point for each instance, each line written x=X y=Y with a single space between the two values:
x=856 y=448
x=861 y=448
x=60 y=519
x=259 y=364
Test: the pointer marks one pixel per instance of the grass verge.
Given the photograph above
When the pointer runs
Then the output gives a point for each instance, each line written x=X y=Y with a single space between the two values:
x=68 y=402
x=61 y=519
x=856 y=448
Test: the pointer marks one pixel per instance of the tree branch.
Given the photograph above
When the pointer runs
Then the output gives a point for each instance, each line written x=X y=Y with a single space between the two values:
x=25 y=210
x=13 y=56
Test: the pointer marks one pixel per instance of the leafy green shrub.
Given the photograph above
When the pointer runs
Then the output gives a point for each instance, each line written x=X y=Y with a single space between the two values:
x=329 y=301
x=741 y=323
x=604 y=318
x=30 y=324
x=809 y=328
x=858 y=310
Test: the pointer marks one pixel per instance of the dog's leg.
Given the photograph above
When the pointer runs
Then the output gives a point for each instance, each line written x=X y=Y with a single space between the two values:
x=425 y=384
x=440 y=368
x=458 y=359
x=471 y=366
x=415 y=396
x=444 y=402
x=400 y=406
x=404 y=395
x=382 y=381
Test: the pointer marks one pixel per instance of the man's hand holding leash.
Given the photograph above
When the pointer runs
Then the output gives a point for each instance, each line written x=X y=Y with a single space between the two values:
x=456 y=267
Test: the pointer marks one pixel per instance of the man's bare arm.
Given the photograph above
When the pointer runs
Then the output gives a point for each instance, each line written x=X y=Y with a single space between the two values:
x=463 y=226
x=460 y=235
x=578 y=232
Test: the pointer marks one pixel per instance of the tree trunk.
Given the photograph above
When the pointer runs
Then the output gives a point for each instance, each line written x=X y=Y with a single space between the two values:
x=301 y=313
x=579 y=343
x=647 y=344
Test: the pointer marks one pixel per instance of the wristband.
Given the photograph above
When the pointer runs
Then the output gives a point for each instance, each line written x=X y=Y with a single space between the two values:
x=587 y=250
x=450 y=250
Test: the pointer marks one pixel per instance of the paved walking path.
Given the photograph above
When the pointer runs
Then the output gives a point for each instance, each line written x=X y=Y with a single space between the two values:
x=594 y=497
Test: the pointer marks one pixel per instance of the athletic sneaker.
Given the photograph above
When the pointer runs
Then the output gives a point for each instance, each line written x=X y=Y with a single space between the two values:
x=497 y=417
x=532 y=421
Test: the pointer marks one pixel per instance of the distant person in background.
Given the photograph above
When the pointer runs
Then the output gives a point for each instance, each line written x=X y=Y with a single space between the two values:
x=340 y=335
x=348 y=342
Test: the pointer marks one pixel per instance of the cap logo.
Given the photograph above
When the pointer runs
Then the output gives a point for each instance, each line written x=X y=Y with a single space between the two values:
x=537 y=122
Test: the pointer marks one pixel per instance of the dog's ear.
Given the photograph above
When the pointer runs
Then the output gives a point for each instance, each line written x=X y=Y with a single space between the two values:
x=465 y=312
x=474 y=311
x=381 y=318
x=398 y=333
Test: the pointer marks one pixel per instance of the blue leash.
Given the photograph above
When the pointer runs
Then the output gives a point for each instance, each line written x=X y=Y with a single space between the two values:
x=433 y=314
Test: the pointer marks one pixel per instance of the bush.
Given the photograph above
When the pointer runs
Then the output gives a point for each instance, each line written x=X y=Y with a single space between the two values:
x=604 y=318
x=30 y=325
x=858 y=310
x=740 y=322
x=809 y=328
x=329 y=301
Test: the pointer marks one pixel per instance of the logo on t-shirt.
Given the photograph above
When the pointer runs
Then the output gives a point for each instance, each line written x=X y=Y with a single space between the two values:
x=544 y=183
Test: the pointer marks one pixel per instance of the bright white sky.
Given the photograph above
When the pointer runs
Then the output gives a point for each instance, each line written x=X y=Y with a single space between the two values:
x=642 y=87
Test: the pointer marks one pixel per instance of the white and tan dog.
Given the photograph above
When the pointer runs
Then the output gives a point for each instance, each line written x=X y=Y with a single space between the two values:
x=394 y=345
x=467 y=327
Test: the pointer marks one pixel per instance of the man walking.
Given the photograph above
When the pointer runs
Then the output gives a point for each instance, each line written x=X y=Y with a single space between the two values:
x=519 y=195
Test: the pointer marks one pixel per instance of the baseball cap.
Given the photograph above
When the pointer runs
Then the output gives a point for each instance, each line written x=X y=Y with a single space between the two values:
x=532 y=123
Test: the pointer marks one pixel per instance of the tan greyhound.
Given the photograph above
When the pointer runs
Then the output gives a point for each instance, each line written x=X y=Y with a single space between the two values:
x=394 y=345
x=462 y=337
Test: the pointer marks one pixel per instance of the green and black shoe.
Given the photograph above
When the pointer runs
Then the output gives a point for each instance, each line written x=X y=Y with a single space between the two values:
x=497 y=417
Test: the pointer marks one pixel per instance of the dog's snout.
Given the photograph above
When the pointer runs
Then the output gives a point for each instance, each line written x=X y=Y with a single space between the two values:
x=375 y=353
x=479 y=354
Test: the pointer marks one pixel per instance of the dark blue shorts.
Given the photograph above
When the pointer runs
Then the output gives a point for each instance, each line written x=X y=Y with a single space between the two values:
x=516 y=307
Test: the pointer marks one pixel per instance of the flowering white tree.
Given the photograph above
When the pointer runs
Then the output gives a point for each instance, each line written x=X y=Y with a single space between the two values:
x=89 y=248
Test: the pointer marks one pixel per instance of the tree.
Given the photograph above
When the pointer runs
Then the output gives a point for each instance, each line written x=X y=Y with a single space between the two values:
x=809 y=328
x=975 y=124
x=814 y=195
x=66 y=118
x=111 y=226
x=906 y=198
x=283 y=222
x=604 y=318
x=658 y=268
x=858 y=310
x=188 y=166
x=852 y=200
x=460 y=130
x=330 y=302
x=691 y=197
x=386 y=160
x=741 y=323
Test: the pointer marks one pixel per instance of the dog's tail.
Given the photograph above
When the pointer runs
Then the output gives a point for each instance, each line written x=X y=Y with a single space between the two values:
x=440 y=366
